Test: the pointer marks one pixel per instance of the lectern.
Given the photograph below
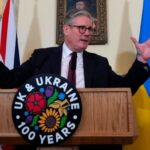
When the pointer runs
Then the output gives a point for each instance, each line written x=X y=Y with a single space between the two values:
x=107 y=118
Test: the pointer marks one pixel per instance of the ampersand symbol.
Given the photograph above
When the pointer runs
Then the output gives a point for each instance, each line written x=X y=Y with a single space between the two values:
x=29 y=87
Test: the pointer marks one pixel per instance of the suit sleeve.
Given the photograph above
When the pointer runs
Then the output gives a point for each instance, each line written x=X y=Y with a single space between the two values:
x=137 y=75
x=17 y=76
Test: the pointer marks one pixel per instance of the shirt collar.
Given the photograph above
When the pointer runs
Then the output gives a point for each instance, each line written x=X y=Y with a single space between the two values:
x=67 y=51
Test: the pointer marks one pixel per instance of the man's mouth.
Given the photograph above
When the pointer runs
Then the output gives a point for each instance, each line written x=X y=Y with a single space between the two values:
x=84 y=40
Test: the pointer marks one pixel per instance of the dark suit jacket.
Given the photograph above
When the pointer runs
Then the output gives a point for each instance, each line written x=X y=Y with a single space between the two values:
x=97 y=70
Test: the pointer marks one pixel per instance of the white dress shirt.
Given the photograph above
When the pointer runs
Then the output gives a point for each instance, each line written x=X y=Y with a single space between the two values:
x=80 y=82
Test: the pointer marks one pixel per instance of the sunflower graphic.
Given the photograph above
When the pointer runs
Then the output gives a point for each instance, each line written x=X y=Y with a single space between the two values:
x=49 y=121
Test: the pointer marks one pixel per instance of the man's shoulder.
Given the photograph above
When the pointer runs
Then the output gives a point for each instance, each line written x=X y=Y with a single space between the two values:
x=44 y=53
x=94 y=56
x=47 y=50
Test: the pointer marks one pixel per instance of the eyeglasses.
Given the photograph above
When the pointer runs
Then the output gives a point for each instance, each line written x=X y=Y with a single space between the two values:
x=83 y=29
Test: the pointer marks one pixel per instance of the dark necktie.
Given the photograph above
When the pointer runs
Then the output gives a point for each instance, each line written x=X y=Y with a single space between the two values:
x=72 y=68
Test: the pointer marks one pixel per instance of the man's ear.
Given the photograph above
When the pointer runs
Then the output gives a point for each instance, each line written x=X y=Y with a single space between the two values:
x=65 y=29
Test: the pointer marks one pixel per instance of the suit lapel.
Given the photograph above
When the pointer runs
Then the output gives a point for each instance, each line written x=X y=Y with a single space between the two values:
x=55 y=61
x=88 y=69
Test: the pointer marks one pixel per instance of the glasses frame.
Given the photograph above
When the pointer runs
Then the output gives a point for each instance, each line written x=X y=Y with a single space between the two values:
x=82 y=29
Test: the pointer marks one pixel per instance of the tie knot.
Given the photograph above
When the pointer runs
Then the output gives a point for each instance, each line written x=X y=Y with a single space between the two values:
x=73 y=60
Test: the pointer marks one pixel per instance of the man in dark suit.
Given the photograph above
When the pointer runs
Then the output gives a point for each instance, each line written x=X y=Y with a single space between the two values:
x=91 y=70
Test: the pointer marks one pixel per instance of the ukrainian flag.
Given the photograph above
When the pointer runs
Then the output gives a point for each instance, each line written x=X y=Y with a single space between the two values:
x=141 y=98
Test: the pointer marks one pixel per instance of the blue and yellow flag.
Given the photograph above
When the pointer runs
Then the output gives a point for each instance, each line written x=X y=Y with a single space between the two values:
x=141 y=98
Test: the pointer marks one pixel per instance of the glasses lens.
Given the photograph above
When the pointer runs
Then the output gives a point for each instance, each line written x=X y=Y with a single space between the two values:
x=82 y=29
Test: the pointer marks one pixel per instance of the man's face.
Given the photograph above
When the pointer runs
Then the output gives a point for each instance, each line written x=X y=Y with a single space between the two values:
x=78 y=34
x=80 y=5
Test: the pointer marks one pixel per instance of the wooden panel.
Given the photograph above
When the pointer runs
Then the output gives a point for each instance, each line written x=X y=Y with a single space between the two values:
x=107 y=117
